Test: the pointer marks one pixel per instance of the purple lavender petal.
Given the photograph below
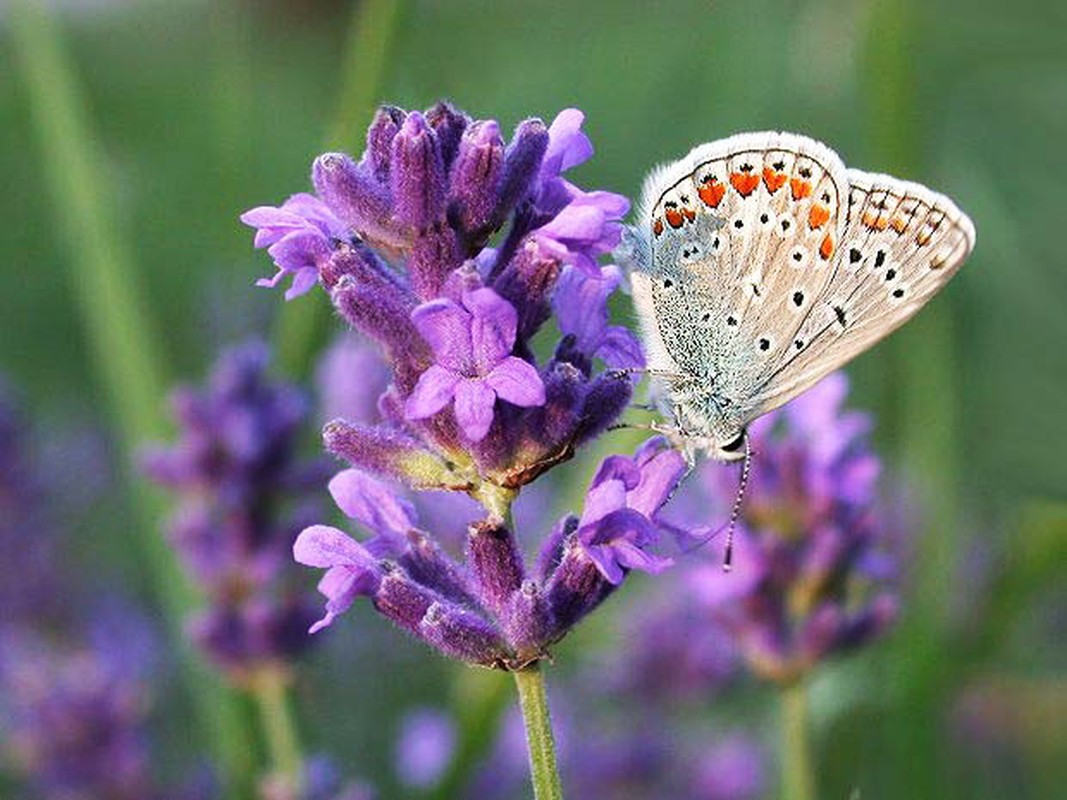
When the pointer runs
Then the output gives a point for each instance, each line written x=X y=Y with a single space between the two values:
x=446 y=327
x=373 y=503
x=475 y=400
x=620 y=349
x=492 y=328
x=340 y=586
x=602 y=499
x=324 y=546
x=568 y=146
x=517 y=382
x=660 y=473
x=616 y=542
x=435 y=390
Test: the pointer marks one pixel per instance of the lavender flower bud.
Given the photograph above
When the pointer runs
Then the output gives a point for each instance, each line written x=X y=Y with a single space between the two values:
x=575 y=588
x=607 y=398
x=475 y=176
x=495 y=559
x=389 y=452
x=449 y=124
x=417 y=174
x=353 y=193
x=402 y=600
x=460 y=634
x=380 y=311
x=522 y=163
x=380 y=135
x=426 y=563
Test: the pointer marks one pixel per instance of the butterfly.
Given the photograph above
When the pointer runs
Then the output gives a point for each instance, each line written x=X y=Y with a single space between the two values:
x=760 y=263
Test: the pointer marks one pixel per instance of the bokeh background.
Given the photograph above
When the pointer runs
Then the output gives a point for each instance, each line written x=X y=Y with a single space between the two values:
x=196 y=111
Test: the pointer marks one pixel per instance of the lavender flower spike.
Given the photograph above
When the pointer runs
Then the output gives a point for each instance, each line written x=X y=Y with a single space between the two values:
x=472 y=345
x=468 y=408
x=816 y=558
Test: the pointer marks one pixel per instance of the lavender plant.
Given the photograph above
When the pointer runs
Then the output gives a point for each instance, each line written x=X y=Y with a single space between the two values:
x=74 y=698
x=452 y=249
x=816 y=555
x=243 y=494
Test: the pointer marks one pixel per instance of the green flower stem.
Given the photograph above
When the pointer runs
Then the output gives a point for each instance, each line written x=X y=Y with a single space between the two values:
x=123 y=345
x=301 y=324
x=270 y=688
x=533 y=700
x=798 y=774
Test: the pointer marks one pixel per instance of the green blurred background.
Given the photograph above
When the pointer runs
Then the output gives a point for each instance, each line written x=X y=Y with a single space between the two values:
x=201 y=110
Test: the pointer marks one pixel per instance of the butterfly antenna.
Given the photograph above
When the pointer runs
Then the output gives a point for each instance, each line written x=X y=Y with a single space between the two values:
x=728 y=556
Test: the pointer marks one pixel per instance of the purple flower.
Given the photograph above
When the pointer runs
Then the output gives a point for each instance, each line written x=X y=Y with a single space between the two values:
x=472 y=345
x=74 y=719
x=425 y=747
x=814 y=555
x=618 y=522
x=298 y=236
x=234 y=469
x=30 y=586
x=406 y=260
x=581 y=304
x=584 y=225
x=350 y=378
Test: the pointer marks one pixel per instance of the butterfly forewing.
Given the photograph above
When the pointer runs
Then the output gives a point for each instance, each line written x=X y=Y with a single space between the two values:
x=901 y=244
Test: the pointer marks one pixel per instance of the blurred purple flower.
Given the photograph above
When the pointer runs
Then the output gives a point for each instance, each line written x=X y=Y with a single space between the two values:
x=425 y=747
x=30 y=586
x=350 y=378
x=322 y=781
x=74 y=719
x=243 y=495
x=815 y=557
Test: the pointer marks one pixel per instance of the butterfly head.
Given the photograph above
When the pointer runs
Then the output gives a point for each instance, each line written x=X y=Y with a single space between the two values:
x=705 y=424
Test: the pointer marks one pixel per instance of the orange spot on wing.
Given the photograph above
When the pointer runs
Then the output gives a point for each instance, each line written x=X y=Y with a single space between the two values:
x=773 y=179
x=801 y=189
x=711 y=193
x=674 y=217
x=818 y=215
x=924 y=237
x=690 y=214
x=875 y=222
x=826 y=249
x=744 y=182
x=899 y=224
x=657 y=226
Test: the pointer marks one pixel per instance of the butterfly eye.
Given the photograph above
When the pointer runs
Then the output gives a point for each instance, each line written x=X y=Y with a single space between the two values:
x=735 y=445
